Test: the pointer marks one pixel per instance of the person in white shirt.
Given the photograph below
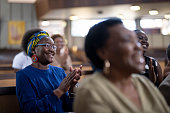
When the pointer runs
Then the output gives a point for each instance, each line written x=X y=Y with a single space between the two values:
x=20 y=61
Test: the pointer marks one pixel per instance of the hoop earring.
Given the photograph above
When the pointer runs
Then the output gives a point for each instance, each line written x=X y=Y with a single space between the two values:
x=106 y=69
x=34 y=58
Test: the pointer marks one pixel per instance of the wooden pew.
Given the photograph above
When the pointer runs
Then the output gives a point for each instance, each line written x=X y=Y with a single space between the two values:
x=6 y=65
x=7 y=76
x=6 y=69
x=8 y=100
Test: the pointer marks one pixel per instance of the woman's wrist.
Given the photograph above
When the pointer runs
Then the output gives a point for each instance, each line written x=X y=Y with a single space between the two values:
x=58 y=92
x=71 y=89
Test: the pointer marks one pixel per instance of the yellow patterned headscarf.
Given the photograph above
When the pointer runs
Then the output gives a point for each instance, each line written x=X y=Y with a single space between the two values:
x=34 y=39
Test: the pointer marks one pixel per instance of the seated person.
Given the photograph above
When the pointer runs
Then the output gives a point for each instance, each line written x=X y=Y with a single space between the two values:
x=40 y=87
x=61 y=58
x=167 y=67
x=116 y=54
x=20 y=61
x=165 y=85
x=153 y=69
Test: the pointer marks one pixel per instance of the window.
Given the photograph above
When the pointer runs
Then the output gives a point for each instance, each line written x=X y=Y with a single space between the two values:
x=53 y=26
x=80 y=28
x=162 y=24
x=151 y=23
x=166 y=27
x=129 y=24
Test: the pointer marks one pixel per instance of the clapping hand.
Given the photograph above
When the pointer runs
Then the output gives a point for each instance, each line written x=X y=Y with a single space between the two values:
x=77 y=75
x=152 y=74
x=69 y=82
x=66 y=83
x=76 y=79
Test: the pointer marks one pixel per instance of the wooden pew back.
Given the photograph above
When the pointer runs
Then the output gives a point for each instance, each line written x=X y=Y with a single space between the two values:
x=8 y=100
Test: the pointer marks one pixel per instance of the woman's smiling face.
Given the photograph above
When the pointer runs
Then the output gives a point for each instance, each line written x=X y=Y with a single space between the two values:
x=59 y=42
x=45 y=54
x=143 y=39
x=123 y=50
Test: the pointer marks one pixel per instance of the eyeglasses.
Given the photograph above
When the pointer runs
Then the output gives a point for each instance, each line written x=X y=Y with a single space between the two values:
x=48 y=46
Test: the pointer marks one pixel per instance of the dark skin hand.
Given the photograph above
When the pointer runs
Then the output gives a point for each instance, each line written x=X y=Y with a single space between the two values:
x=76 y=79
x=152 y=75
x=68 y=82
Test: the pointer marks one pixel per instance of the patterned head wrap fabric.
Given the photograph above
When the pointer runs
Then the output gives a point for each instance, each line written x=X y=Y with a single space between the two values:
x=34 y=39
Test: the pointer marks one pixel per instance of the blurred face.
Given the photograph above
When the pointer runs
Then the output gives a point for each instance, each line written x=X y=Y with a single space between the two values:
x=45 y=53
x=123 y=50
x=143 y=39
x=59 y=42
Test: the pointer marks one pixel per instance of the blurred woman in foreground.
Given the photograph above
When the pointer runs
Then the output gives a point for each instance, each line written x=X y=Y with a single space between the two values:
x=117 y=54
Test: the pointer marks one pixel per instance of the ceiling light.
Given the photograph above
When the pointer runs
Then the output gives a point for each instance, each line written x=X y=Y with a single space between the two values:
x=45 y=23
x=153 y=12
x=73 y=17
x=135 y=8
x=167 y=16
